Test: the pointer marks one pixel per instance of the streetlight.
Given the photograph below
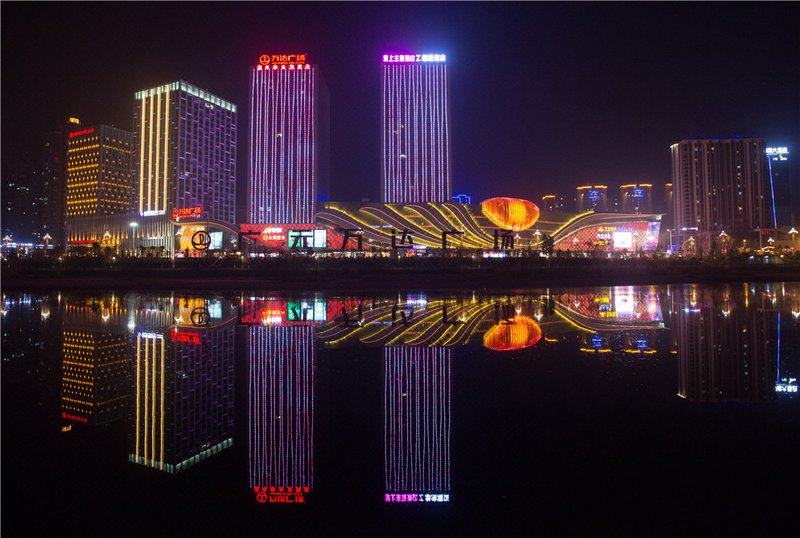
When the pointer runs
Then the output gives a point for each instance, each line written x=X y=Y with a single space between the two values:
x=46 y=240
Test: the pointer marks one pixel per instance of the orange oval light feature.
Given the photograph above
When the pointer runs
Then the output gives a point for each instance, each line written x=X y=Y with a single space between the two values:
x=513 y=214
x=522 y=333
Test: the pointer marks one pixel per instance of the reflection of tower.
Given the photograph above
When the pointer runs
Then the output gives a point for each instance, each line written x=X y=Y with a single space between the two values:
x=183 y=383
x=95 y=357
x=281 y=416
x=726 y=346
x=417 y=424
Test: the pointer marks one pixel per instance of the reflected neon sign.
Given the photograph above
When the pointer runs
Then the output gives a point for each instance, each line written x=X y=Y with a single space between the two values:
x=417 y=497
x=272 y=494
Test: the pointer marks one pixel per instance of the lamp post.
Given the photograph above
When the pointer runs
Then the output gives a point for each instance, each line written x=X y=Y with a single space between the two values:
x=723 y=239
x=46 y=240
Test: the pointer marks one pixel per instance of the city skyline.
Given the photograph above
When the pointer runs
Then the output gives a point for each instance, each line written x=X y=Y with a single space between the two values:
x=531 y=108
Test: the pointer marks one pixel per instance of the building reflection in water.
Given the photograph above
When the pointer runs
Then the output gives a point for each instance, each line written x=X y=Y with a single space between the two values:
x=417 y=423
x=280 y=343
x=96 y=355
x=729 y=343
x=183 y=375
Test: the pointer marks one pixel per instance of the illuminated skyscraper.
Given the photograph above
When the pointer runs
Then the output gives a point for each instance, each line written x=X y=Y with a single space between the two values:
x=591 y=198
x=417 y=424
x=636 y=198
x=99 y=172
x=721 y=184
x=185 y=145
x=416 y=129
x=289 y=132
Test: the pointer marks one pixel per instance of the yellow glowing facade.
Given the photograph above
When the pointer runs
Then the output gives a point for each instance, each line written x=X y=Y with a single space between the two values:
x=513 y=214
x=99 y=178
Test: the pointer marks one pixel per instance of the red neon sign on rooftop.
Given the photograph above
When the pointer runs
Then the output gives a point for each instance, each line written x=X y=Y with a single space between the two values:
x=73 y=134
x=282 y=59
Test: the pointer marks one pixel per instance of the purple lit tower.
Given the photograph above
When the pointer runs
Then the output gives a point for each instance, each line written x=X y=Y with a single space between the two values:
x=185 y=151
x=416 y=129
x=417 y=423
x=289 y=134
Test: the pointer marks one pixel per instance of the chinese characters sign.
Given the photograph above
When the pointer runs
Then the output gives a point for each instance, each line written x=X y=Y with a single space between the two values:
x=187 y=212
x=412 y=58
x=282 y=59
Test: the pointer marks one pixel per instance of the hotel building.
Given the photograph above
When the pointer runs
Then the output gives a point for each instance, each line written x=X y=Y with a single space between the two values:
x=289 y=140
x=99 y=172
x=416 y=129
x=185 y=144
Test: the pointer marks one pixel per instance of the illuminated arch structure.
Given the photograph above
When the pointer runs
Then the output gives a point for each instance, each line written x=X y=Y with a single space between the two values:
x=481 y=222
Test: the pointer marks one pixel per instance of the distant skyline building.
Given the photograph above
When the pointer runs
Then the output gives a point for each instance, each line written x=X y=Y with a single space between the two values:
x=416 y=158
x=185 y=151
x=289 y=155
x=462 y=198
x=555 y=202
x=591 y=198
x=99 y=178
x=721 y=184
x=636 y=198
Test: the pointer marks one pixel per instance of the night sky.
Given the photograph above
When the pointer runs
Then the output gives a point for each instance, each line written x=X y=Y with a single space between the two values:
x=544 y=96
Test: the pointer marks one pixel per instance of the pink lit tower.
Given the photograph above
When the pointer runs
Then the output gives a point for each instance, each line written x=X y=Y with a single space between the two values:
x=416 y=129
x=289 y=140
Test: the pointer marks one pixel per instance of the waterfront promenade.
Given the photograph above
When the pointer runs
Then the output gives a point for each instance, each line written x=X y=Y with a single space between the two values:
x=382 y=274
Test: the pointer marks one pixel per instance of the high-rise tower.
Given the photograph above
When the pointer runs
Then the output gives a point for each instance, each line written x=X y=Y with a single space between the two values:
x=185 y=144
x=416 y=129
x=721 y=184
x=289 y=133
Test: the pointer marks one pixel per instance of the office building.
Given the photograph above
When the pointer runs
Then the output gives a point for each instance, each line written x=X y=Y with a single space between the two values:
x=636 y=198
x=185 y=152
x=289 y=140
x=99 y=178
x=417 y=165
x=721 y=184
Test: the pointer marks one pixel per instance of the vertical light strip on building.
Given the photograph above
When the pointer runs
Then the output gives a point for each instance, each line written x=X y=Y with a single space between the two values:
x=166 y=152
x=141 y=156
x=158 y=150
x=150 y=159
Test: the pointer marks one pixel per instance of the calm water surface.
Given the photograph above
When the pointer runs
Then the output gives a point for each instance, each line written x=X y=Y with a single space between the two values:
x=647 y=409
